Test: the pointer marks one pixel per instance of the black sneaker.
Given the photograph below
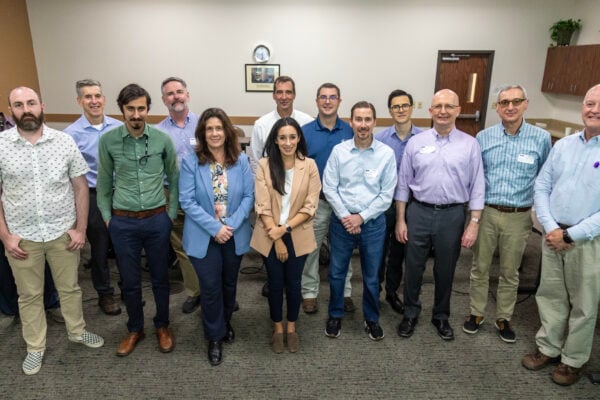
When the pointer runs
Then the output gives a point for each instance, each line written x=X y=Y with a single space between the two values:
x=333 y=328
x=471 y=326
x=374 y=331
x=504 y=331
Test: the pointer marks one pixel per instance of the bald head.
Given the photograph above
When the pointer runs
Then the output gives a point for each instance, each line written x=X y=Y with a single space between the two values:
x=444 y=109
x=446 y=94
x=590 y=112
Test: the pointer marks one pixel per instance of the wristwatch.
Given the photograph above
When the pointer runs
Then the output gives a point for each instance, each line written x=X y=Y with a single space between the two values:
x=288 y=228
x=474 y=219
x=566 y=237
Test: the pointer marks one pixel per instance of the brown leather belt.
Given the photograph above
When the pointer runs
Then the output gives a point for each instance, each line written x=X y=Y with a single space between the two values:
x=507 y=209
x=139 y=214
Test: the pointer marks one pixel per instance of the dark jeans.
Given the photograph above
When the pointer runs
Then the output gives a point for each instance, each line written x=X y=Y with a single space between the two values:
x=393 y=254
x=99 y=239
x=443 y=229
x=9 y=297
x=129 y=236
x=218 y=274
x=286 y=275
x=370 y=246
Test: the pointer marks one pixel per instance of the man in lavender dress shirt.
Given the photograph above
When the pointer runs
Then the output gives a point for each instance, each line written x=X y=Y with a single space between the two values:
x=441 y=173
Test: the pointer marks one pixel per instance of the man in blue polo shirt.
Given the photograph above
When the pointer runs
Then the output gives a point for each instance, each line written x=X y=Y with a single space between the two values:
x=321 y=135
x=400 y=106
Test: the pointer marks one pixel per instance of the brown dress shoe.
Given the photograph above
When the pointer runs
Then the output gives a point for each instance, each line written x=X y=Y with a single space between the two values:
x=538 y=360
x=166 y=341
x=109 y=305
x=349 y=305
x=565 y=375
x=128 y=344
x=310 y=306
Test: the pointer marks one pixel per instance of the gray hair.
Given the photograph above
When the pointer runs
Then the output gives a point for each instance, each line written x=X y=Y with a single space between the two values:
x=172 y=79
x=84 y=83
x=504 y=88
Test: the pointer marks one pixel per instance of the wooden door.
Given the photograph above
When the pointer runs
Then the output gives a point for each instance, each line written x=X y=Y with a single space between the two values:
x=468 y=73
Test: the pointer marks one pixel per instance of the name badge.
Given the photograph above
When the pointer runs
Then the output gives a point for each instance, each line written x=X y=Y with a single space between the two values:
x=193 y=142
x=525 y=158
x=370 y=173
x=427 y=150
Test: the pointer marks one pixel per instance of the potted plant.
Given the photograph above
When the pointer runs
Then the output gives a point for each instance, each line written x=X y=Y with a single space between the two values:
x=562 y=30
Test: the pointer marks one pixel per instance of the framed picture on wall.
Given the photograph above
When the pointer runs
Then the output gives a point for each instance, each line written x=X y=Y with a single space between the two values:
x=260 y=77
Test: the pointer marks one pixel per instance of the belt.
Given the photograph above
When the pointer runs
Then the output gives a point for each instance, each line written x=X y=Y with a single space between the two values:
x=438 y=206
x=564 y=226
x=92 y=190
x=507 y=209
x=139 y=214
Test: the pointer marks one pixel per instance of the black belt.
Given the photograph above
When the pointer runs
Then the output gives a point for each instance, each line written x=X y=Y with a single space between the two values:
x=92 y=190
x=564 y=226
x=439 y=206
x=507 y=209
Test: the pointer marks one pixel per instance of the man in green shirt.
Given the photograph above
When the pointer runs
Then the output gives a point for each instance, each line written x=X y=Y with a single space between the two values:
x=133 y=160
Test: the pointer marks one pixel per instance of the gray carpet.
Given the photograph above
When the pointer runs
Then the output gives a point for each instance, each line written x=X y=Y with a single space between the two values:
x=350 y=367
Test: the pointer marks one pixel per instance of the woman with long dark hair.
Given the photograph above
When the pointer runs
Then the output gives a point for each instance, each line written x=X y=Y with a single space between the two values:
x=216 y=194
x=287 y=194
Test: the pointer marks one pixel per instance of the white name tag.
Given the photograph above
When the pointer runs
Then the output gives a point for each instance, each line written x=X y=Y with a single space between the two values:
x=525 y=158
x=370 y=173
x=427 y=150
x=193 y=142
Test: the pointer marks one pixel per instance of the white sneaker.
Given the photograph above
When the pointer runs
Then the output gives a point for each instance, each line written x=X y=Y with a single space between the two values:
x=89 y=339
x=33 y=362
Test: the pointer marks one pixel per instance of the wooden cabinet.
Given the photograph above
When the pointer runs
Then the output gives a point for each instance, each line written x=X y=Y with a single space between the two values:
x=571 y=69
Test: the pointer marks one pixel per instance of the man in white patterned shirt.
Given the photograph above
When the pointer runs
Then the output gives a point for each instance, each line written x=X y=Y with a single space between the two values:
x=43 y=216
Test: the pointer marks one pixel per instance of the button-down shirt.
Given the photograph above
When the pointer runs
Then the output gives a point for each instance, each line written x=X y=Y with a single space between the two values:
x=37 y=194
x=184 y=138
x=262 y=128
x=360 y=181
x=390 y=137
x=86 y=137
x=567 y=190
x=320 y=140
x=511 y=163
x=139 y=166
x=442 y=169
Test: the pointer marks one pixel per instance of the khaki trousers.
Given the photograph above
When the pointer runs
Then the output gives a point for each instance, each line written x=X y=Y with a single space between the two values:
x=508 y=232
x=190 y=279
x=29 y=277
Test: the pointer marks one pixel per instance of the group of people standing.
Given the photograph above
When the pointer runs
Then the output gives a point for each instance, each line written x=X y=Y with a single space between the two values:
x=395 y=195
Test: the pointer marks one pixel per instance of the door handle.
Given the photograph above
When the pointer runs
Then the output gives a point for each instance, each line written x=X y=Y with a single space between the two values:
x=475 y=116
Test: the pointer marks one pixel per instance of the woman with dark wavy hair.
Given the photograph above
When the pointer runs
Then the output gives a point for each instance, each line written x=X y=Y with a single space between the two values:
x=216 y=193
x=287 y=194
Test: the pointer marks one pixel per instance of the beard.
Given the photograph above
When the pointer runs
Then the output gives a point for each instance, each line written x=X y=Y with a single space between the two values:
x=29 y=122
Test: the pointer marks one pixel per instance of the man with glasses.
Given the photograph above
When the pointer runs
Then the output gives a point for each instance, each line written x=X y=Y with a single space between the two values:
x=86 y=132
x=400 y=107
x=134 y=159
x=440 y=175
x=567 y=204
x=321 y=135
x=513 y=153
x=180 y=125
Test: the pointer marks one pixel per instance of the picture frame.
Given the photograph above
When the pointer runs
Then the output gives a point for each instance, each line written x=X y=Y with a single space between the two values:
x=260 y=77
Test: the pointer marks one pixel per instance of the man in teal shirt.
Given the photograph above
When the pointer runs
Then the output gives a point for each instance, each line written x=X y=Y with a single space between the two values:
x=133 y=161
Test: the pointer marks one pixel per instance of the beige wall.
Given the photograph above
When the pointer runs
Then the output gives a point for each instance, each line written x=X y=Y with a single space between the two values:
x=368 y=48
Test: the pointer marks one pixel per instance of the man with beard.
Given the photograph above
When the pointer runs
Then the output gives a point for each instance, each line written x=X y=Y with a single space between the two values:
x=86 y=132
x=180 y=125
x=43 y=216
x=133 y=161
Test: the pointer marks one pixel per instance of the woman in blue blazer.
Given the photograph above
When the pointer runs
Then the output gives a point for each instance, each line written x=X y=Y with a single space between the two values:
x=216 y=193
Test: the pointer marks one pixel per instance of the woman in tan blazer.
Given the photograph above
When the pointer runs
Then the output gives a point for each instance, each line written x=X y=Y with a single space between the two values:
x=287 y=190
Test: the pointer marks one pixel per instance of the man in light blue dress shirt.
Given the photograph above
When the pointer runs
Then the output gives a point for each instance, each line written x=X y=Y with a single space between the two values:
x=400 y=106
x=567 y=204
x=86 y=132
x=358 y=182
x=513 y=153
x=180 y=125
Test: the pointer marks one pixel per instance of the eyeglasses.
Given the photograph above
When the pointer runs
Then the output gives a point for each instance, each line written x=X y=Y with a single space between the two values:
x=516 y=102
x=401 y=107
x=333 y=97
x=143 y=160
x=449 y=107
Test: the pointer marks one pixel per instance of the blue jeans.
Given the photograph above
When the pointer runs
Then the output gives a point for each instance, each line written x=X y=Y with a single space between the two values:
x=286 y=275
x=129 y=236
x=218 y=274
x=370 y=245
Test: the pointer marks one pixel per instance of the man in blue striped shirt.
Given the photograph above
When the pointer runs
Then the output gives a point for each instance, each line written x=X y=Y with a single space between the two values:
x=513 y=153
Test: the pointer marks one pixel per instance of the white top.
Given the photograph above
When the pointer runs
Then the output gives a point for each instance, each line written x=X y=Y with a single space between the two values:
x=285 y=199
x=262 y=128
